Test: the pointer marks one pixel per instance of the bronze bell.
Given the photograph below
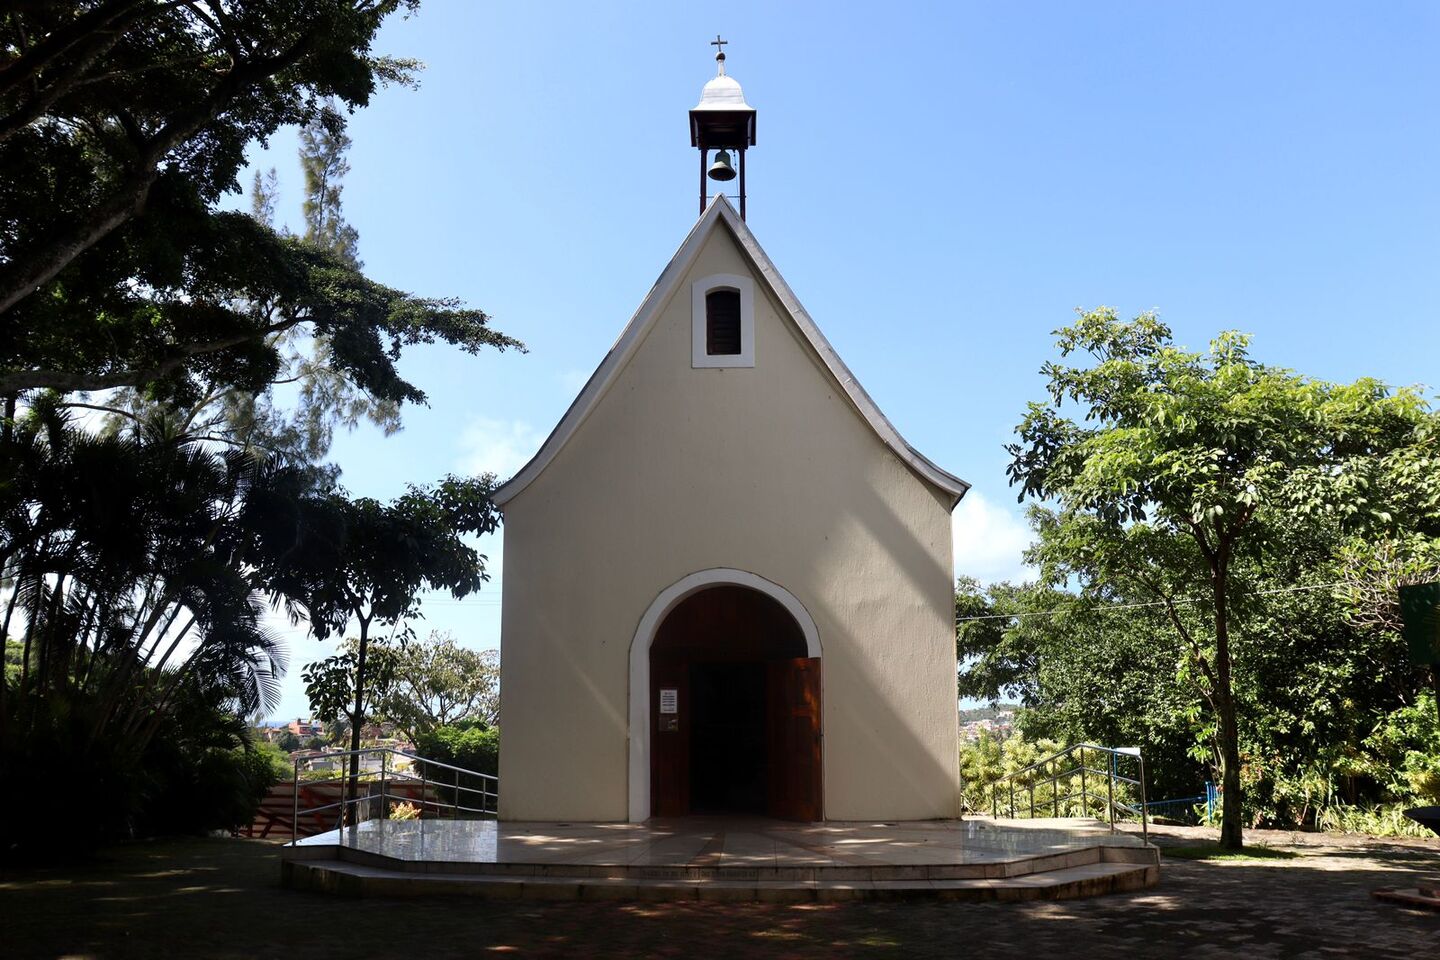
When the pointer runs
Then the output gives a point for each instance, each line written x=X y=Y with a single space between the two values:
x=721 y=169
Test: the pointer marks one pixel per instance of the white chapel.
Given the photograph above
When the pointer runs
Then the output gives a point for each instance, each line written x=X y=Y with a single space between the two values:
x=728 y=579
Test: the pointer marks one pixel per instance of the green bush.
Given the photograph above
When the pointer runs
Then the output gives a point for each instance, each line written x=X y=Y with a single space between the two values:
x=195 y=774
x=1380 y=820
x=472 y=746
x=1408 y=744
x=194 y=791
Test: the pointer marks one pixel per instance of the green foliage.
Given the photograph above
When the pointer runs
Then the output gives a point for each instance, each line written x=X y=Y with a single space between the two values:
x=141 y=557
x=196 y=774
x=1083 y=674
x=985 y=760
x=1194 y=481
x=1376 y=820
x=369 y=561
x=405 y=811
x=437 y=682
x=121 y=125
x=277 y=757
x=288 y=742
x=14 y=657
x=125 y=555
x=472 y=746
x=1407 y=748
x=330 y=683
x=323 y=145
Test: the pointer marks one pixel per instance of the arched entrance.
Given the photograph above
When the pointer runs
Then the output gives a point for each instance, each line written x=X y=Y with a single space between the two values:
x=731 y=723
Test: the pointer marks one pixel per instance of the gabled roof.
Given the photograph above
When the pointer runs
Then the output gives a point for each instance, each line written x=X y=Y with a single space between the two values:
x=720 y=212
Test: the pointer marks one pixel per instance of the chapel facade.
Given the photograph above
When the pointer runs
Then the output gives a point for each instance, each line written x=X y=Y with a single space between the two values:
x=728 y=579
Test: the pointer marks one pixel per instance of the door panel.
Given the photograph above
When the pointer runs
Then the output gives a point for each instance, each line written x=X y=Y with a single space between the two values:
x=795 y=770
x=670 y=739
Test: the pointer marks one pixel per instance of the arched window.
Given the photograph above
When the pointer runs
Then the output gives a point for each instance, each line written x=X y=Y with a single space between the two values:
x=722 y=323
x=723 y=317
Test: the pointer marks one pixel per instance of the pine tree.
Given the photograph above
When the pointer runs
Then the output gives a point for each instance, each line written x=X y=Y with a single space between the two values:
x=328 y=398
x=323 y=149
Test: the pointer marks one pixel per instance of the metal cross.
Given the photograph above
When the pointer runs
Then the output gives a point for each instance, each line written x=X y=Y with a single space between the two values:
x=720 y=44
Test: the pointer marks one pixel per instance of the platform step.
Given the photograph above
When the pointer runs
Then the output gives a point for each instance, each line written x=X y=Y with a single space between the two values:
x=358 y=880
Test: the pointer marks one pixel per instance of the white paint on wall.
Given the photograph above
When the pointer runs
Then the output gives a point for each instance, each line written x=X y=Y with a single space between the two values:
x=801 y=485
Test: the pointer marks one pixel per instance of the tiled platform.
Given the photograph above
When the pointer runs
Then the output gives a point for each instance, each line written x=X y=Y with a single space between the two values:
x=702 y=858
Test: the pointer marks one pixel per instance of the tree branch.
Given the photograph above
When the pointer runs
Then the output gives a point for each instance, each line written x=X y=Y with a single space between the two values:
x=23 y=276
x=61 y=41
x=65 y=380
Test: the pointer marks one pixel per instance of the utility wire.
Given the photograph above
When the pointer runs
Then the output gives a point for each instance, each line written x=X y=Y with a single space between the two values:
x=1155 y=603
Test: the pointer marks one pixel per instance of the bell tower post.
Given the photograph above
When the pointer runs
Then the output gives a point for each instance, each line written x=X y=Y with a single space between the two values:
x=722 y=121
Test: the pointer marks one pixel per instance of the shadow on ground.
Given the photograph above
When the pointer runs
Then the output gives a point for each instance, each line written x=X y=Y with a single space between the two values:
x=221 y=898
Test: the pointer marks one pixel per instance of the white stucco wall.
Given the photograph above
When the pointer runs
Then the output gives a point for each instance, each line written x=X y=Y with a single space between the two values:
x=767 y=469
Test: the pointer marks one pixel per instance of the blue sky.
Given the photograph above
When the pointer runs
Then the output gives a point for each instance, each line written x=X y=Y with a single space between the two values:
x=941 y=184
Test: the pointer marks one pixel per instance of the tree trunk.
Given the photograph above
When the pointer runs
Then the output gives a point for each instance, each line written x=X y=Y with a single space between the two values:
x=357 y=720
x=1231 y=825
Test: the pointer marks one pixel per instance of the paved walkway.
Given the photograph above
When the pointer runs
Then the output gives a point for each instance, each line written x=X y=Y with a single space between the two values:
x=221 y=899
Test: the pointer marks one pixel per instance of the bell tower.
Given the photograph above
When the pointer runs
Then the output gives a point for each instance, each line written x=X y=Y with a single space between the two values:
x=722 y=121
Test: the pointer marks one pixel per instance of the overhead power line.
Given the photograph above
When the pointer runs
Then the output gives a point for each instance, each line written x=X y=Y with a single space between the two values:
x=1154 y=603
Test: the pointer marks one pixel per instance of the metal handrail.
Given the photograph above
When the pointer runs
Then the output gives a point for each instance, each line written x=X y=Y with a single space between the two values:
x=1112 y=775
x=489 y=789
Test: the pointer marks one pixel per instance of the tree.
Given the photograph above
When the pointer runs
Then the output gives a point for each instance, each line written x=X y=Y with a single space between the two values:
x=114 y=111
x=439 y=683
x=1183 y=469
x=121 y=124
x=323 y=146
x=365 y=561
x=141 y=555
x=132 y=571
x=1083 y=673
x=132 y=566
x=328 y=396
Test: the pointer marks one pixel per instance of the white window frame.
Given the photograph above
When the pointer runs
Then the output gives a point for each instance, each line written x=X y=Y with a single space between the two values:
x=729 y=281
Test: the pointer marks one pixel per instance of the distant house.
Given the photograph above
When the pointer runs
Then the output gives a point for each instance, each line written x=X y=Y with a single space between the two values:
x=272 y=734
x=305 y=729
x=318 y=760
x=999 y=726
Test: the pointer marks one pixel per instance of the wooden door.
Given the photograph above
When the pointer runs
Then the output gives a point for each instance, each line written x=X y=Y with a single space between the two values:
x=669 y=738
x=795 y=774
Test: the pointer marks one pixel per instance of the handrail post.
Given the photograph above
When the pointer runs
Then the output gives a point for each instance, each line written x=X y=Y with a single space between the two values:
x=347 y=789
x=384 y=767
x=295 y=798
x=1110 y=793
x=1144 y=819
x=1012 y=799
x=424 y=789
x=455 y=810
x=1084 y=798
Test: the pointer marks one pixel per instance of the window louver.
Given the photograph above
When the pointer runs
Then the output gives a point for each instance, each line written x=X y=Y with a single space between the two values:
x=722 y=323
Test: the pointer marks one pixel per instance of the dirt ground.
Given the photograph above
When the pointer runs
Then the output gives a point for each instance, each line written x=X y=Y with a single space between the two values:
x=221 y=898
